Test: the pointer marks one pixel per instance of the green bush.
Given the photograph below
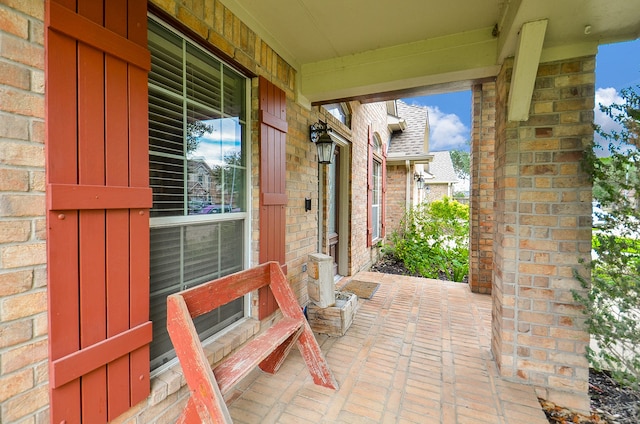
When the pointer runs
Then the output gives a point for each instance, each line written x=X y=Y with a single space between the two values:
x=611 y=298
x=434 y=240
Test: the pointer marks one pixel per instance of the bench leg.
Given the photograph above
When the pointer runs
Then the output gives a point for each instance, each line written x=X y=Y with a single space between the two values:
x=193 y=414
x=313 y=357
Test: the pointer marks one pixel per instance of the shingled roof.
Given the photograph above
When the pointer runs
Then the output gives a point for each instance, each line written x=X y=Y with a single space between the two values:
x=411 y=141
x=441 y=167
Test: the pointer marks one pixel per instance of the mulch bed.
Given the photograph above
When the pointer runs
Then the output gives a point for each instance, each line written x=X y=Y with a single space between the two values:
x=610 y=403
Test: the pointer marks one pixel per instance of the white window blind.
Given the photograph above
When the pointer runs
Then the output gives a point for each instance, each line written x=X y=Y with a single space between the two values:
x=197 y=165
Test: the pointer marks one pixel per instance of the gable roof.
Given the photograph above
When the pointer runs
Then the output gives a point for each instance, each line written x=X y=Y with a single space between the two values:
x=411 y=141
x=441 y=167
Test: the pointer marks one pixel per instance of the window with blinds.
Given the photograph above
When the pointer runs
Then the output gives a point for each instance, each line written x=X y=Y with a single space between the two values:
x=198 y=174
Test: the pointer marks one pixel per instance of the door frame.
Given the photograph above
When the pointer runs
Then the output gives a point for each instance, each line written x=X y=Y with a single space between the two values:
x=344 y=212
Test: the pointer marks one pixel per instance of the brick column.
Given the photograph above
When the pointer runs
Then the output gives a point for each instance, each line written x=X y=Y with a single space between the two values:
x=543 y=230
x=482 y=191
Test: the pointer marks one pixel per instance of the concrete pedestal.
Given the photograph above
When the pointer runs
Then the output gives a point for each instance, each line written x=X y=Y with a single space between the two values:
x=320 y=283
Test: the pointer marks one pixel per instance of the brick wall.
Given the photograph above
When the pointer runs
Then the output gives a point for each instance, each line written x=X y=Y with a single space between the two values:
x=482 y=190
x=542 y=218
x=23 y=295
x=435 y=192
x=396 y=195
x=365 y=115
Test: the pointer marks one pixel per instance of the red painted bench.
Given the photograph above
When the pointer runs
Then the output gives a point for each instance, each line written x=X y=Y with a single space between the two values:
x=268 y=350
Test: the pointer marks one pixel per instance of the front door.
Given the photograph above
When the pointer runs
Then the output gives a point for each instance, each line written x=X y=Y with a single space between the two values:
x=333 y=212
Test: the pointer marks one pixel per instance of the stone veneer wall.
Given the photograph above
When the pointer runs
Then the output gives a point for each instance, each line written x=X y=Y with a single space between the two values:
x=542 y=218
x=481 y=212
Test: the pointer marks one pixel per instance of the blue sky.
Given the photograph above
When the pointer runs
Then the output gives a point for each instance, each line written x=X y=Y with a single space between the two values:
x=617 y=67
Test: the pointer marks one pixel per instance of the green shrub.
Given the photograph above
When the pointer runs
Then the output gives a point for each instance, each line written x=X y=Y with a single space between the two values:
x=611 y=298
x=434 y=240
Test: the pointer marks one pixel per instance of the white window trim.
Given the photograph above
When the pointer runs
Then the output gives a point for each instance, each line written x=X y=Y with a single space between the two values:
x=246 y=322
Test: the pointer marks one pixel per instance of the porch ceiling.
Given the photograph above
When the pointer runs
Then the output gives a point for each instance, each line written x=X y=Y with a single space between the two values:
x=361 y=48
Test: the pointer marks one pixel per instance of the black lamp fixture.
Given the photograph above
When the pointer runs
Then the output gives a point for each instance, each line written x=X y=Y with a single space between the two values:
x=319 y=134
x=418 y=176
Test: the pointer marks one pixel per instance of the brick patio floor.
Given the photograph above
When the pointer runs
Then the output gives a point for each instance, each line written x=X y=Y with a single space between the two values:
x=417 y=352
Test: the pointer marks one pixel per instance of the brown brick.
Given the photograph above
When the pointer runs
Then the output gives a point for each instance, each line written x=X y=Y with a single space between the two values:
x=37 y=131
x=16 y=205
x=539 y=169
x=22 y=51
x=537 y=269
x=14 y=180
x=16 y=383
x=571 y=67
x=14 y=231
x=26 y=403
x=21 y=102
x=14 y=76
x=23 y=305
x=23 y=356
x=539 y=196
x=192 y=21
x=15 y=282
x=33 y=8
x=15 y=256
x=13 y=333
x=12 y=23
x=544 y=132
x=36 y=32
x=37 y=181
x=11 y=126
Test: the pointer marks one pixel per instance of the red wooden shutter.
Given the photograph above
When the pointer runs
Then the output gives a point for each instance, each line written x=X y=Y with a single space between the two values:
x=273 y=196
x=98 y=197
x=383 y=195
x=370 y=191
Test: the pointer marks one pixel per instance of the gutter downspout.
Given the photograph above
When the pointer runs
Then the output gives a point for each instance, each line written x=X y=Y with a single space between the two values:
x=407 y=196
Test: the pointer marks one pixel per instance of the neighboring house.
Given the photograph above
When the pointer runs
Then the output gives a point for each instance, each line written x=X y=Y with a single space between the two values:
x=440 y=177
x=407 y=158
x=199 y=184
x=414 y=174
x=95 y=223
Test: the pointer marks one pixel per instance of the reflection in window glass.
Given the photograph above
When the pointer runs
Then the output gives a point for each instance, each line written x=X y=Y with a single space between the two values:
x=198 y=175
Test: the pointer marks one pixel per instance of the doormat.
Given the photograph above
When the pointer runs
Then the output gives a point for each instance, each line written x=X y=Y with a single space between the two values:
x=362 y=289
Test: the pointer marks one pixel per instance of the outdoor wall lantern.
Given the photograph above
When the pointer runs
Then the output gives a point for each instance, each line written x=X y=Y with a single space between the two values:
x=419 y=180
x=320 y=135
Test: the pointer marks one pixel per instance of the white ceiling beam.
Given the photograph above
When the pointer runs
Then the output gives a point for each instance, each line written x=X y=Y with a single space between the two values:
x=525 y=68
x=508 y=26
x=464 y=56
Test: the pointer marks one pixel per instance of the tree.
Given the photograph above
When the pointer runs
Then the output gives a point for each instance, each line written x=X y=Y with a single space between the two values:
x=461 y=163
x=612 y=302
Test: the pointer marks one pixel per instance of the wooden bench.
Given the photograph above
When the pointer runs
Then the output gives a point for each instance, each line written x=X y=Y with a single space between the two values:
x=268 y=350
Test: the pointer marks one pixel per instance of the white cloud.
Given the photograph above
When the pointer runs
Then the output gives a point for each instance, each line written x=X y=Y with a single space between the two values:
x=447 y=131
x=605 y=97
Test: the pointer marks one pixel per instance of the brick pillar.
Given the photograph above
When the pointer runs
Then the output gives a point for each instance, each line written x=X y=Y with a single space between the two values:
x=482 y=191
x=542 y=219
